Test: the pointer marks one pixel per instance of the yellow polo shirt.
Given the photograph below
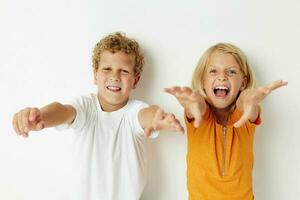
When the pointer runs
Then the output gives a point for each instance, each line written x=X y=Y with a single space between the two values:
x=220 y=159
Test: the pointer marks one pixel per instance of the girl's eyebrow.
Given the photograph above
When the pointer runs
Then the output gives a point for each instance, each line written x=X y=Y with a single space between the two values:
x=234 y=67
x=212 y=66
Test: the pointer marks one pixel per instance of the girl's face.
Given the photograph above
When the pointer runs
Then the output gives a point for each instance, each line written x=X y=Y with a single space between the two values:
x=223 y=80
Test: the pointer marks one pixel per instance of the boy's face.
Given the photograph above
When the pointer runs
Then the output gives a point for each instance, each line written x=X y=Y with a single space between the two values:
x=115 y=78
x=223 y=80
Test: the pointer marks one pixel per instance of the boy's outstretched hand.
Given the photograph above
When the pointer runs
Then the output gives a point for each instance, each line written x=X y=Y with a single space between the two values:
x=28 y=119
x=250 y=98
x=163 y=121
x=193 y=103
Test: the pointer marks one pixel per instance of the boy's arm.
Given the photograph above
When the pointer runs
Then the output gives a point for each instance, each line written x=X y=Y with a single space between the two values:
x=154 y=118
x=193 y=103
x=249 y=99
x=34 y=119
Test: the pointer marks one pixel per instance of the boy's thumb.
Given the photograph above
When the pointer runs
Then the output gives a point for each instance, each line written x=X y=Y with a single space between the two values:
x=148 y=131
x=40 y=125
x=34 y=114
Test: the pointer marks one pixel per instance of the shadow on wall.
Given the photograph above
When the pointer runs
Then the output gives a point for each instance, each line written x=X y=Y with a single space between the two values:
x=142 y=92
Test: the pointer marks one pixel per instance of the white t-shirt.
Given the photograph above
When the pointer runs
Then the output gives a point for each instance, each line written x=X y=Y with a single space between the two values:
x=109 y=149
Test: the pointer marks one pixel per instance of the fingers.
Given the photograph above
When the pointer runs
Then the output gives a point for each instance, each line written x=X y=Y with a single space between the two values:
x=266 y=90
x=15 y=124
x=175 y=124
x=39 y=126
x=171 y=90
x=178 y=91
x=20 y=128
x=276 y=84
x=34 y=114
x=26 y=120
x=164 y=121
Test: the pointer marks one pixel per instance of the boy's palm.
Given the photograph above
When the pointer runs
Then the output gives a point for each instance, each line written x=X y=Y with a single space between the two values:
x=192 y=102
x=163 y=121
x=252 y=97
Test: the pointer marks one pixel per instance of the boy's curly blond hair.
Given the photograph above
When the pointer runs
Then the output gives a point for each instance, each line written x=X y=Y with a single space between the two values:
x=119 y=42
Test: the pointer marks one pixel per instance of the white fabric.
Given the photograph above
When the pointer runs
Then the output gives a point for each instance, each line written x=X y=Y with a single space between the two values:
x=109 y=149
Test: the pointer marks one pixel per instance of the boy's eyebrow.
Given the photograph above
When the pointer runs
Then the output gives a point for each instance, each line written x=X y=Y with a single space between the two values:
x=104 y=66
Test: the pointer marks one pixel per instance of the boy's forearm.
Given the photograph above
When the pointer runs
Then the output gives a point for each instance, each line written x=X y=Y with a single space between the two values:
x=56 y=113
x=146 y=116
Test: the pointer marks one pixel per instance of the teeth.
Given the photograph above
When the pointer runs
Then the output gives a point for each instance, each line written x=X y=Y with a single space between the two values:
x=115 y=88
x=221 y=88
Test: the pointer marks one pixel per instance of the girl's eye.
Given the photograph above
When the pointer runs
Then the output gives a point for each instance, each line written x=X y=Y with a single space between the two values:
x=212 y=71
x=231 y=72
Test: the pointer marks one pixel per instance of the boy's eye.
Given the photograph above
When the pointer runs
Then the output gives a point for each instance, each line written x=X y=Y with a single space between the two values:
x=106 y=69
x=125 y=71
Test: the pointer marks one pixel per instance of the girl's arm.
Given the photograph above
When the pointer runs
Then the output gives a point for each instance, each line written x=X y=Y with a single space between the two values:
x=249 y=99
x=193 y=103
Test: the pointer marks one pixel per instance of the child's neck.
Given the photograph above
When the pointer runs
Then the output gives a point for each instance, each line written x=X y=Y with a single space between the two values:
x=223 y=114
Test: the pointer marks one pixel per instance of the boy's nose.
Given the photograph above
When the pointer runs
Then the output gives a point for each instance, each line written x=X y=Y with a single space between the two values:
x=115 y=76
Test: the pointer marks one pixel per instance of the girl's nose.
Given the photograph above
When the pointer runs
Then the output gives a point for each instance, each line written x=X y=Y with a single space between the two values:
x=222 y=76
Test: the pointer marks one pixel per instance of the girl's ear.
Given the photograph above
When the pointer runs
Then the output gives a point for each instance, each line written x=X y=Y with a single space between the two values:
x=244 y=83
x=202 y=86
x=136 y=80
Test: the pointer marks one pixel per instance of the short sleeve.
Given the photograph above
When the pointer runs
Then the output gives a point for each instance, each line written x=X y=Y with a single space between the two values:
x=80 y=104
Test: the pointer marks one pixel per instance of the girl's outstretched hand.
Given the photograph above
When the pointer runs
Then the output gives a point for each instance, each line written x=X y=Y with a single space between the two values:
x=163 y=121
x=250 y=98
x=193 y=103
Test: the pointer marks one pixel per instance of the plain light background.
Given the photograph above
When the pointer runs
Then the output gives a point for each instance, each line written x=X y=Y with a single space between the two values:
x=45 y=56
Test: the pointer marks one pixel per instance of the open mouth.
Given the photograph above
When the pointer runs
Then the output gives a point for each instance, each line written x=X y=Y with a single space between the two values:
x=221 y=91
x=113 y=88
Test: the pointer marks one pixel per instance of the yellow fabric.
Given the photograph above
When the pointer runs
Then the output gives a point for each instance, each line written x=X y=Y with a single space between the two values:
x=208 y=178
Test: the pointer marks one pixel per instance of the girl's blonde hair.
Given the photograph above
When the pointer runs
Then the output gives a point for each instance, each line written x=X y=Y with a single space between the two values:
x=119 y=42
x=240 y=57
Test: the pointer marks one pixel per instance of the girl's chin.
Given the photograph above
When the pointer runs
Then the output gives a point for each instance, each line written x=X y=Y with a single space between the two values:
x=221 y=104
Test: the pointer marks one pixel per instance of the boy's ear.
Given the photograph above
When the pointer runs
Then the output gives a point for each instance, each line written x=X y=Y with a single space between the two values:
x=244 y=83
x=95 y=76
x=136 y=80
